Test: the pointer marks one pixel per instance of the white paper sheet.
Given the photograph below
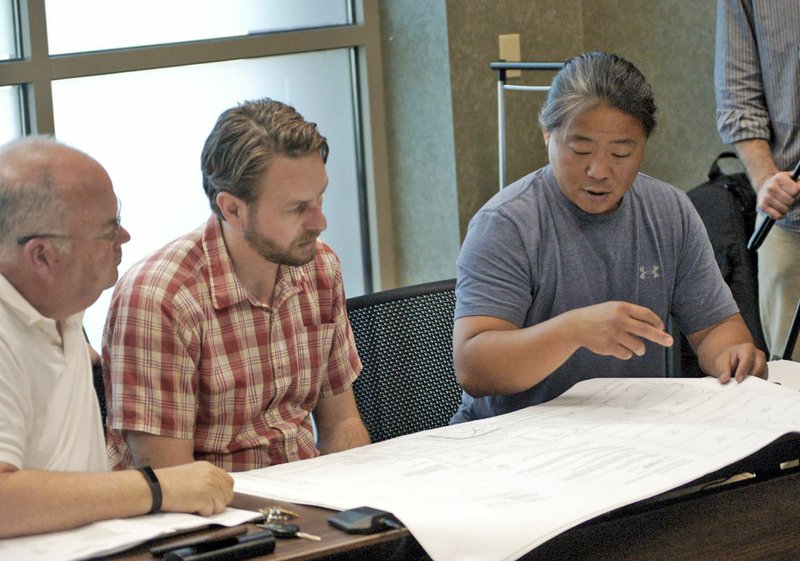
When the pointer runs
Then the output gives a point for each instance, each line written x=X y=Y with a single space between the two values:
x=494 y=489
x=111 y=536
x=785 y=373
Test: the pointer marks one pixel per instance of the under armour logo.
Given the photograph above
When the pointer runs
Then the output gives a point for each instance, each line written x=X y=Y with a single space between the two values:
x=649 y=272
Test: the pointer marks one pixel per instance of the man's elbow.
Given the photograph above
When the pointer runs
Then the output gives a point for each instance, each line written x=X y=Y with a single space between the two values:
x=471 y=379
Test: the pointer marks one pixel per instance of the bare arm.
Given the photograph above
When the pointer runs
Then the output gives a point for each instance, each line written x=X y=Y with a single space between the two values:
x=776 y=190
x=494 y=357
x=726 y=350
x=39 y=501
x=339 y=426
x=159 y=451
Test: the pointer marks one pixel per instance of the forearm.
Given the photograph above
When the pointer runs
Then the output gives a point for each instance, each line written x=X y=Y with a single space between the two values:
x=507 y=361
x=339 y=425
x=159 y=451
x=717 y=339
x=494 y=357
x=38 y=501
x=756 y=156
x=348 y=433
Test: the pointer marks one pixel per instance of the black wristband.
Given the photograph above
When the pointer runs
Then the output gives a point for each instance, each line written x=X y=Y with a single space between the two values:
x=155 y=487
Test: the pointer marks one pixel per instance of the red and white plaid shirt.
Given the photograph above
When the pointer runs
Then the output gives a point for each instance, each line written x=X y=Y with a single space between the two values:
x=188 y=353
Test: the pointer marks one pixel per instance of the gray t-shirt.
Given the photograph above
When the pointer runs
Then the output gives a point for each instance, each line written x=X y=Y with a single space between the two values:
x=530 y=255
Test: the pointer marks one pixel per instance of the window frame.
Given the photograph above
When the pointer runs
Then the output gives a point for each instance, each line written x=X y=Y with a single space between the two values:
x=36 y=70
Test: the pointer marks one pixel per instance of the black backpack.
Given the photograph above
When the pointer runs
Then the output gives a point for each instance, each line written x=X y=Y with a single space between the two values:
x=727 y=206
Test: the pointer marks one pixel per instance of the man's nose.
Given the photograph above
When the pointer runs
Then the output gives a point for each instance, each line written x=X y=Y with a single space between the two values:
x=123 y=235
x=317 y=220
x=599 y=168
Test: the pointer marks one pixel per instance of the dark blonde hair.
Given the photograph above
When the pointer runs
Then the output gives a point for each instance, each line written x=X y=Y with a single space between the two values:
x=246 y=138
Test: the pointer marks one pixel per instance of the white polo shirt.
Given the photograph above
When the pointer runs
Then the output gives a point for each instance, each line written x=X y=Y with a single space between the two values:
x=49 y=416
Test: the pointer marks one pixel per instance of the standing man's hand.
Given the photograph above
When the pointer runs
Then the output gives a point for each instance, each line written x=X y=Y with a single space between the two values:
x=776 y=190
x=777 y=194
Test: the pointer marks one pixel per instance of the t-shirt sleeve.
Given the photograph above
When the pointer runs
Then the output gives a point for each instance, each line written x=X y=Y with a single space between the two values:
x=494 y=271
x=149 y=352
x=701 y=298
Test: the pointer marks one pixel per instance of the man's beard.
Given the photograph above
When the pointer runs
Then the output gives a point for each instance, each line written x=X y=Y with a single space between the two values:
x=291 y=255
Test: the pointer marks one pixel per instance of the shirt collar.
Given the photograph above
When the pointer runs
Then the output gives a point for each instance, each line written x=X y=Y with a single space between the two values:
x=27 y=314
x=577 y=211
x=226 y=288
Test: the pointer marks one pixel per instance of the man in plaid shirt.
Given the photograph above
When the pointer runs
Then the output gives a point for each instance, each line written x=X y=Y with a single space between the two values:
x=220 y=345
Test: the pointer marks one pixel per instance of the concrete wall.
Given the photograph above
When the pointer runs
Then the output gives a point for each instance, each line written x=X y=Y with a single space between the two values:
x=420 y=139
x=455 y=140
x=672 y=43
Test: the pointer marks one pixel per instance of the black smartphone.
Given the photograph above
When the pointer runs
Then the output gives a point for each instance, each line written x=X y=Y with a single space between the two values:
x=364 y=520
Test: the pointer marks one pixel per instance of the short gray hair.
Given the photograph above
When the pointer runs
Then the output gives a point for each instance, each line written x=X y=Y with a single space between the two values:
x=27 y=205
x=594 y=79
x=246 y=139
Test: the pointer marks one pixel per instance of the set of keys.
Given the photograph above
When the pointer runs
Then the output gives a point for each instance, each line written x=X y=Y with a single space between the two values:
x=277 y=520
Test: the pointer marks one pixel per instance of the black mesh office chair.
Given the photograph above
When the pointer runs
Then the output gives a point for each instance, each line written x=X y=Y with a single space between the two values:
x=405 y=340
x=97 y=380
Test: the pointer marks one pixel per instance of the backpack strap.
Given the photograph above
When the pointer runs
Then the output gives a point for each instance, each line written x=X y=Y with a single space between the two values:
x=715 y=171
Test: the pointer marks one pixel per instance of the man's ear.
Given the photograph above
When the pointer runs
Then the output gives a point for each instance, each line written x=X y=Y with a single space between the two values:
x=233 y=209
x=40 y=256
x=546 y=134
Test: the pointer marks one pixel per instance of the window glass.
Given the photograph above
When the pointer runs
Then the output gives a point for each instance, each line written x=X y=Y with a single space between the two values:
x=147 y=129
x=10 y=118
x=8 y=43
x=90 y=25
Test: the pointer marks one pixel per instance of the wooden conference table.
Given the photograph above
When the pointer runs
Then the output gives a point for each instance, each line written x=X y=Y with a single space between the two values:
x=752 y=519
x=335 y=545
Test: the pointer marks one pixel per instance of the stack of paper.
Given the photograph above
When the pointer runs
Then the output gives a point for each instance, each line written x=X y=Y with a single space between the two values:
x=494 y=489
x=111 y=536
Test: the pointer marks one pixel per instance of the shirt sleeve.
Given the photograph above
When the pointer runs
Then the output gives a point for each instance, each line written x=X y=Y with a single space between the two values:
x=152 y=357
x=344 y=364
x=494 y=275
x=741 y=104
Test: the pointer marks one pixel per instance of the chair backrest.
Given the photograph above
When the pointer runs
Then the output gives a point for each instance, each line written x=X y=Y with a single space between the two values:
x=405 y=340
x=97 y=379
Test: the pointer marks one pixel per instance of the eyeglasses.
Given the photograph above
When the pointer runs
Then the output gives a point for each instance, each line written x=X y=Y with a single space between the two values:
x=111 y=236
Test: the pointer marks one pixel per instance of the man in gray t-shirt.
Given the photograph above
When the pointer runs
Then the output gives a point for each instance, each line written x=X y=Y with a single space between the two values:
x=571 y=272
